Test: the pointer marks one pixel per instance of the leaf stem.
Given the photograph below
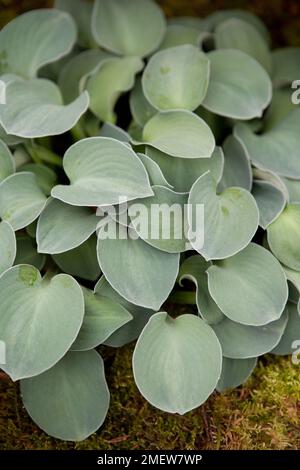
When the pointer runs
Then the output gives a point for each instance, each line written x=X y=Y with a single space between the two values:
x=41 y=154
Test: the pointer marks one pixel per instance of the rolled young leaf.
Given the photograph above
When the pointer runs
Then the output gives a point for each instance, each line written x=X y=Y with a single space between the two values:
x=162 y=365
x=71 y=400
x=39 y=319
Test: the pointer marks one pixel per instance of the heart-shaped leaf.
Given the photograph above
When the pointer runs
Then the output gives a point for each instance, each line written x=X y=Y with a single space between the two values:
x=35 y=108
x=113 y=77
x=284 y=237
x=291 y=332
x=7 y=165
x=182 y=173
x=235 y=372
x=239 y=87
x=269 y=150
x=176 y=78
x=222 y=237
x=194 y=269
x=34 y=39
x=249 y=287
x=242 y=342
x=162 y=365
x=81 y=11
x=39 y=319
x=132 y=329
x=237 y=167
x=161 y=220
x=270 y=201
x=80 y=261
x=62 y=227
x=71 y=400
x=21 y=200
x=101 y=171
x=8 y=246
x=179 y=134
x=238 y=34
x=27 y=252
x=102 y=318
x=145 y=276
x=130 y=27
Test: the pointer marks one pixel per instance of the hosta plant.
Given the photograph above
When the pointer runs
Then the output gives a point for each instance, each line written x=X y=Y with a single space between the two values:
x=109 y=111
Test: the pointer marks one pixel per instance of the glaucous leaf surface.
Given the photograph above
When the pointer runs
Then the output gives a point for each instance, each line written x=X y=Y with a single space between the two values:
x=220 y=16
x=132 y=329
x=34 y=108
x=141 y=110
x=27 y=252
x=269 y=150
x=73 y=76
x=182 y=172
x=249 y=287
x=8 y=246
x=281 y=105
x=161 y=221
x=113 y=77
x=62 y=227
x=80 y=261
x=271 y=177
x=284 y=237
x=102 y=318
x=237 y=167
x=162 y=366
x=112 y=131
x=128 y=27
x=46 y=177
x=81 y=11
x=21 y=200
x=101 y=171
x=156 y=176
x=235 y=372
x=222 y=236
x=239 y=87
x=238 y=34
x=293 y=188
x=179 y=35
x=291 y=333
x=242 y=341
x=71 y=400
x=35 y=39
x=7 y=165
x=39 y=319
x=270 y=201
x=179 y=134
x=286 y=65
x=176 y=78
x=194 y=269
x=140 y=273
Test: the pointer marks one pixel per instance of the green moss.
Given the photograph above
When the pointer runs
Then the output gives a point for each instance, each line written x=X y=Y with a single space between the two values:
x=264 y=414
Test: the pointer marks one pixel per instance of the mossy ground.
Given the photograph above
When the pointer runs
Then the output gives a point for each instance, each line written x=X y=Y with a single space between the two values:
x=263 y=414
